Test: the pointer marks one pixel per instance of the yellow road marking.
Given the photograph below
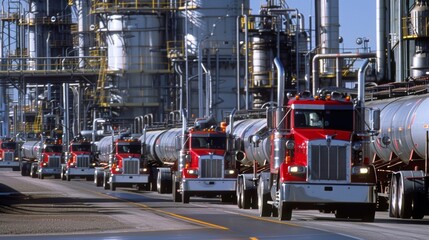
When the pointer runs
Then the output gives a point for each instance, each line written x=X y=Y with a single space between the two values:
x=268 y=220
x=211 y=225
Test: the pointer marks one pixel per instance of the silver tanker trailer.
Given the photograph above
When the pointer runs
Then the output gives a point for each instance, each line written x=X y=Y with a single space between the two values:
x=400 y=155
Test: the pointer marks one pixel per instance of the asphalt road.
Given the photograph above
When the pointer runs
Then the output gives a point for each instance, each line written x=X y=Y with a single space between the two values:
x=55 y=209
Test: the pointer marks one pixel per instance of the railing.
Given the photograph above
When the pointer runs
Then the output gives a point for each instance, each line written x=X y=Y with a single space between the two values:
x=50 y=65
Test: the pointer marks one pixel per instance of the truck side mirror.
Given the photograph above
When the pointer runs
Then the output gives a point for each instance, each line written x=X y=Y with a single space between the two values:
x=375 y=115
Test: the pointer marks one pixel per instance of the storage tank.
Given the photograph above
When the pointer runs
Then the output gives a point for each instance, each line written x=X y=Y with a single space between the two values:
x=405 y=122
x=243 y=130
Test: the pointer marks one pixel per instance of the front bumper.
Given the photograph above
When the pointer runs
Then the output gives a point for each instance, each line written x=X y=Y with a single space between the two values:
x=322 y=194
x=80 y=171
x=8 y=164
x=50 y=171
x=209 y=185
x=129 y=179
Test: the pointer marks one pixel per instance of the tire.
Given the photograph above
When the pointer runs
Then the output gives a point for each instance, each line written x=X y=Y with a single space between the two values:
x=264 y=208
x=404 y=198
x=177 y=197
x=284 y=212
x=185 y=197
x=245 y=198
x=68 y=177
x=63 y=176
x=106 y=186
x=33 y=172
x=238 y=192
x=418 y=206
x=24 y=170
x=112 y=186
x=393 y=197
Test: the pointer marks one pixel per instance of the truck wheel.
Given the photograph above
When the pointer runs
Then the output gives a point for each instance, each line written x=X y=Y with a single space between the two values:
x=24 y=170
x=32 y=172
x=41 y=176
x=418 y=206
x=245 y=198
x=285 y=212
x=264 y=208
x=105 y=184
x=393 y=197
x=63 y=176
x=175 y=190
x=185 y=197
x=238 y=192
x=68 y=177
x=404 y=198
x=113 y=187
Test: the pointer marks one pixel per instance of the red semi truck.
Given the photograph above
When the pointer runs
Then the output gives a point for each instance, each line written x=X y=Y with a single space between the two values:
x=79 y=160
x=309 y=154
x=121 y=163
x=42 y=158
x=194 y=160
x=8 y=154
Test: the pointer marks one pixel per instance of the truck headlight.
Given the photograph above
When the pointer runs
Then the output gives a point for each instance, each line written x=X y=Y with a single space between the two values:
x=296 y=169
x=143 y=170
x=290 y=144
x=192 y=171
x=229 y=172
x=360 y=170
x=118 y=169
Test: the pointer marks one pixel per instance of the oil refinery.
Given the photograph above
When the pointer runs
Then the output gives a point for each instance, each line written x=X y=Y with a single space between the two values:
x=265 y=91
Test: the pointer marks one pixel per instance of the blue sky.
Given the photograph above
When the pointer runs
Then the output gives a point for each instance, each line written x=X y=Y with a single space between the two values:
x=357 y=18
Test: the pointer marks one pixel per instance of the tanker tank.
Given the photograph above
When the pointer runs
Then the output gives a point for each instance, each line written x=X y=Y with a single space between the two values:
x=30 y=149
x=161 y=145
x=104 y=146
x=243 y=130
x=403 y=123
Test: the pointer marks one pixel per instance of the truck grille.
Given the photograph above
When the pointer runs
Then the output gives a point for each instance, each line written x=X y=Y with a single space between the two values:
x=329 y=162
x=54 y=162
x=83 y=161
x=211 y=166
x=8 y=156
x=131 y=166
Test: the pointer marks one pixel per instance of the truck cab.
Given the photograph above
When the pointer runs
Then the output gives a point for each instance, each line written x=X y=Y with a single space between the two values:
x=79 y=161
x=8 y=154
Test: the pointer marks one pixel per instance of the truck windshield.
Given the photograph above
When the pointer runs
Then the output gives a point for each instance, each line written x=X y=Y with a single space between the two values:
x=209 y=142
x=81 y=148
x=8 y=145
x=326 y=119
x=53 y=148
x=129 y=149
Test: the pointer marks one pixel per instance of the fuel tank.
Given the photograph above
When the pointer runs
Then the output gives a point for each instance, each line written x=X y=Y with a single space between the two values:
x=242 y=132
x=30 y=149
x=404 y=123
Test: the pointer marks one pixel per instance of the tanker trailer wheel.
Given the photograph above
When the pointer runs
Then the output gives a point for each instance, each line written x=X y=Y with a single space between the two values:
x=63 y=175
x=393 y=197
x=418 y=202
x=98 y=179
x=32 y=172
x=405 y=194
x=263 y=207
x=175 y=190
x=24 y=170
x=105 y=184
x=238 y=192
